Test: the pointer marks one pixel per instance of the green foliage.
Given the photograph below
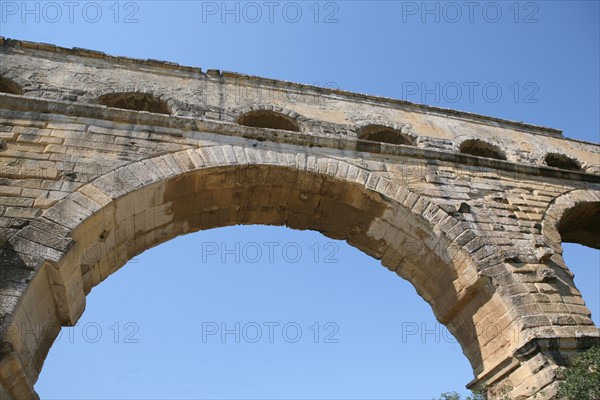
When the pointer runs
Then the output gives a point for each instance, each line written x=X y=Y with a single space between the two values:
x=450 y=396
x=457 y=396
x=581 y=380
x=499 y=392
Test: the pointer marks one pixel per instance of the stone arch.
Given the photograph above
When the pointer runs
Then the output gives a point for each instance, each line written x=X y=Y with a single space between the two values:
x=481 y=148
x=562 y=161
x=9 y=86
x=136 y=101
x=573 y=217
x=381 y=132
x=405 y=129
x=95 y=230
x=94 y=96
x=271 y=117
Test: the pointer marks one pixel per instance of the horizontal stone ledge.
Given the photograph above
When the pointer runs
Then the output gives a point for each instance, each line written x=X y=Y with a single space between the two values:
x=200 y=125
x=564 y=336
x=287 y=85
x=494 y=374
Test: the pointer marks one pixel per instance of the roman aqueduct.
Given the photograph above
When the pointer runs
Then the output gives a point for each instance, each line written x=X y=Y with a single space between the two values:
x=102 y=158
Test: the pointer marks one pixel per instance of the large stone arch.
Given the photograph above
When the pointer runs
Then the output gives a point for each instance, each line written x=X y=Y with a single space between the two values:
x=96 y=229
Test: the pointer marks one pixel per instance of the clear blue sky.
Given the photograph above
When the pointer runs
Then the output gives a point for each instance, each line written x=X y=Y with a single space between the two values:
x=544 y=57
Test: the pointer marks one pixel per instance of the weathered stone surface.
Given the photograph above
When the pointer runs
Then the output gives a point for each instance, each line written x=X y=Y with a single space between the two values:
x=86 y=184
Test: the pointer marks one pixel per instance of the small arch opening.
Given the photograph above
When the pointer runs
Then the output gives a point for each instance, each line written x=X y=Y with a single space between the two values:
x=9 y=86
x=268 y=119
x=562 y=161
x=480 y=148
x=381 y=134
x=136 y=102
x=581 y=224
x=384 y=134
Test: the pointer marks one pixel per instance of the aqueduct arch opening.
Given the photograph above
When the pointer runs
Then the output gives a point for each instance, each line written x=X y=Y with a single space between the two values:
x=268 y=119
x=575 y=218
x=135 y=101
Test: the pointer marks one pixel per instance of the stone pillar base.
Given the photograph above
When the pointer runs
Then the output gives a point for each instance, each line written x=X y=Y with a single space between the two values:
x=531 y=372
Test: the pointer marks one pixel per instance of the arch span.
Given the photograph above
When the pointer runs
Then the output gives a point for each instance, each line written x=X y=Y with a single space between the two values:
x=481 y=148
x=374 y=134
x=112 y=219
x=265 y=118
x=573 y=217
x=136 y=101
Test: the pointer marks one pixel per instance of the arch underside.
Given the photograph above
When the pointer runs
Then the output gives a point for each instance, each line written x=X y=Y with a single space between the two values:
x=120 y=226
